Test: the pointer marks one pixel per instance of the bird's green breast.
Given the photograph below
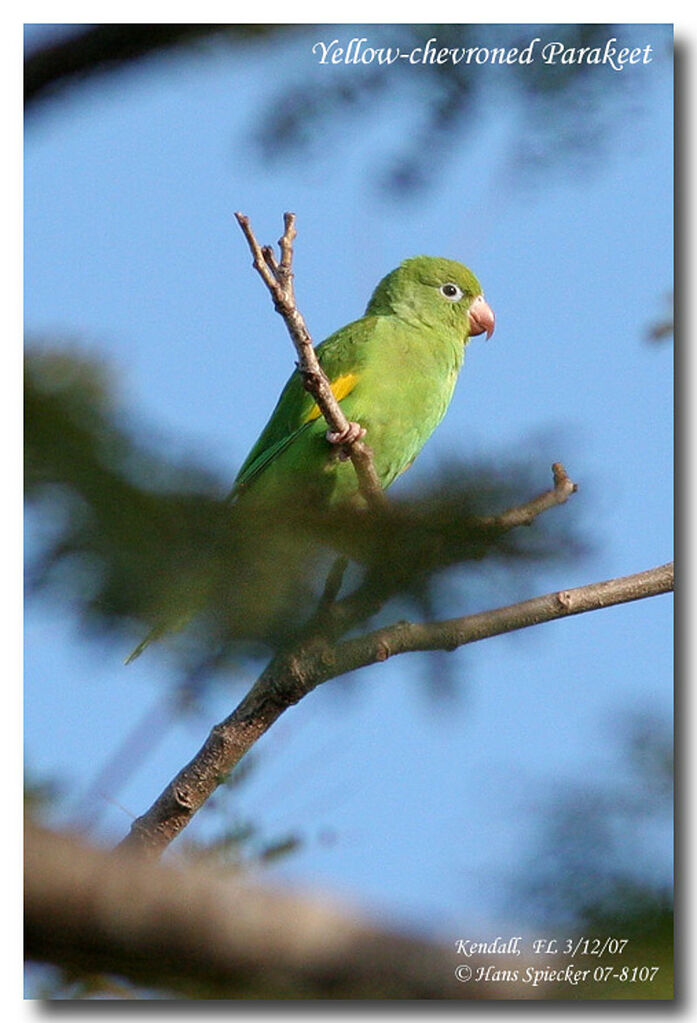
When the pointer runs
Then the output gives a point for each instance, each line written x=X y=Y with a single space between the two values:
x=404 y=375
x=405 y=387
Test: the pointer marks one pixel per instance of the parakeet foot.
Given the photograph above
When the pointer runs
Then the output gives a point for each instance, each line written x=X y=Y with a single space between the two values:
x=353 y=432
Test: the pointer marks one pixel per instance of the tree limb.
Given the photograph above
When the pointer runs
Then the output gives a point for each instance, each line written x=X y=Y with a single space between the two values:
x=278 y=278
x=207 y=936
x=291 y=675
x=408 y=637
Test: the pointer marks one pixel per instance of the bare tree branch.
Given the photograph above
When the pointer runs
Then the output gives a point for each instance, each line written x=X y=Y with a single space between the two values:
x=203 y=935
x=278 y=278
x=408 y=637
x=293 y=674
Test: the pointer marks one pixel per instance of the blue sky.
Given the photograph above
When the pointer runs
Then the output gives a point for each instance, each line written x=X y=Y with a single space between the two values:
x=132 y=253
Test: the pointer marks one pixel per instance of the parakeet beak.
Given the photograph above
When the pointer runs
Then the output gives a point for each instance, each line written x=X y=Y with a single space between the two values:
x=481 y=317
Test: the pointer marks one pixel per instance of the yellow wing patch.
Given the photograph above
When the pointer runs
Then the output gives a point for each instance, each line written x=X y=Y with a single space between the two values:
x=342 y=386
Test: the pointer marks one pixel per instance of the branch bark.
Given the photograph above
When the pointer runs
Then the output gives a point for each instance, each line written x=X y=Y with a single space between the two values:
x=408 y=637
x=206 y=936
x=293 y=674
x=278 y=278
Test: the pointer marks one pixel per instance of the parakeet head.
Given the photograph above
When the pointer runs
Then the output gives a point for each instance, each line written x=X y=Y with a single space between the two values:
x=436 y=292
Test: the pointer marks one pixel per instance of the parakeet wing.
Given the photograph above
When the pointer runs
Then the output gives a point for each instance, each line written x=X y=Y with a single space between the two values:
x=341 y=357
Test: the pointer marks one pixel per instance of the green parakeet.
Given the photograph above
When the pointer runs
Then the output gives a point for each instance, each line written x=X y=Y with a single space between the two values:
x=393 y=372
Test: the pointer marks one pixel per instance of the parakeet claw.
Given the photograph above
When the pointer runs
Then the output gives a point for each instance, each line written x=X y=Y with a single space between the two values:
x=353 y=432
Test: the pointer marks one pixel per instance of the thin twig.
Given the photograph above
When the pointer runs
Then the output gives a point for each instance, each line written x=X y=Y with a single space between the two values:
x=278 y=278
x=525 y=514
x=370 y=597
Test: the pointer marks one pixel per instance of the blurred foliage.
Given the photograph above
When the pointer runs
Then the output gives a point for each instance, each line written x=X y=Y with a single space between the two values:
x=52 y=983
x=127 y=537
x=662 y=329
x=69 y=58
x=39 y=794
x=557 y=113
x=592 y=874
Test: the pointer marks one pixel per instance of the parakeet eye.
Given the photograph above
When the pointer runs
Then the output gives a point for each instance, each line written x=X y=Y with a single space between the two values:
x=451 y=292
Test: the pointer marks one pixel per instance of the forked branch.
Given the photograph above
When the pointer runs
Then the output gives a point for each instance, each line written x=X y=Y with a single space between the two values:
x=278 y=278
